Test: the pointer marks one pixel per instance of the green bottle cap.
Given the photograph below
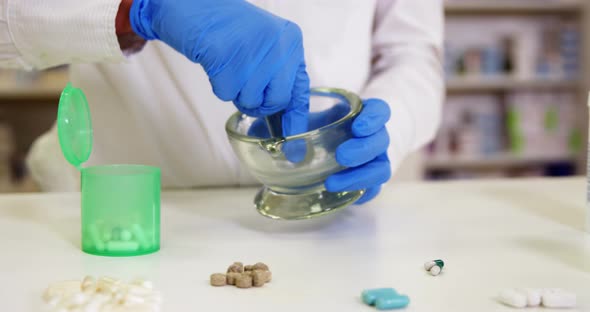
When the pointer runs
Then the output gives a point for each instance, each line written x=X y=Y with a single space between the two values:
x=74 y=127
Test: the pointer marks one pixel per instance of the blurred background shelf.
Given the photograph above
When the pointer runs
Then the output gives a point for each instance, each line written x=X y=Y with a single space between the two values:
x=502 y=161
x=37 y=86
x=28 y=106
x=477 y=7
x=495 y=84
x=516 y=86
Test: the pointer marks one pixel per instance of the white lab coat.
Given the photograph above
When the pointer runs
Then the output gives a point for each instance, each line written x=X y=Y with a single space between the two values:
x=157 y=108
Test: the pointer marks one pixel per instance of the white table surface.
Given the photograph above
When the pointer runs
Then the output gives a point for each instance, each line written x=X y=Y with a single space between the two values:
x=491 y=234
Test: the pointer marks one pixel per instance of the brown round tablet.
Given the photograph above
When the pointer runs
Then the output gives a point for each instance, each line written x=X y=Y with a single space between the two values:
x=218 y=279
x=260 y=266
x=236 y=267
x=244 y=281
x=259 y=278
x=231 y=278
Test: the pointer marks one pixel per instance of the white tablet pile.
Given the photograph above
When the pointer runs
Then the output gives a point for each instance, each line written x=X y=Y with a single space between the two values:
x=530 y=297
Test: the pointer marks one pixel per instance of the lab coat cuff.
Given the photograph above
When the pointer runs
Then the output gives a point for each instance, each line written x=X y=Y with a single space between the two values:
x=48 y=34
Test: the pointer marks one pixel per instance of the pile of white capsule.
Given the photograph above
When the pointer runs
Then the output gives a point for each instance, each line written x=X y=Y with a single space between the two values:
x=104 y=294
x=531 y=297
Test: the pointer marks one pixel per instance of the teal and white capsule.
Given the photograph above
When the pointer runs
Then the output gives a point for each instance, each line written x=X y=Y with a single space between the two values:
x=434 y=266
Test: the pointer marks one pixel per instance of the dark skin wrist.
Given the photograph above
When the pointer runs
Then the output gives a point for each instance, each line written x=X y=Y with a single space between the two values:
x=122 y=24
x=128 y=40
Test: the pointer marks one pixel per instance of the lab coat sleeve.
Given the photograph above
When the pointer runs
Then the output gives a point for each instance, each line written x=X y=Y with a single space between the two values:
x=407 y=71
x=46 y=33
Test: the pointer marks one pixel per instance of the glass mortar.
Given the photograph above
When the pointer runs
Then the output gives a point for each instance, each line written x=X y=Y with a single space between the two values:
x=294 y=186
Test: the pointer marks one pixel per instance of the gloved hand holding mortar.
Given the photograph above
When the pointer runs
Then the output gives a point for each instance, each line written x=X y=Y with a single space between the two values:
x=256 y=60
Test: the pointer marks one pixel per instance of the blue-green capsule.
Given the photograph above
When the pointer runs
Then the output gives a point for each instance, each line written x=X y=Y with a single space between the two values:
x=370 y=296
x=390 y=303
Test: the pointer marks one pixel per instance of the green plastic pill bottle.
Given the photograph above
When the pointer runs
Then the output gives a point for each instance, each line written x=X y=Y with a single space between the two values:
x=120 y=203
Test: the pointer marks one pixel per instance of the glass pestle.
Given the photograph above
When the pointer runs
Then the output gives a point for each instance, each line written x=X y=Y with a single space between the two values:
x=274 y=123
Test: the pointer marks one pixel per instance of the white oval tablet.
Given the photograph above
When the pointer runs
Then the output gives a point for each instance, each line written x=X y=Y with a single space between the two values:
x=558 y=298
x=533 y=296
x=512 y=297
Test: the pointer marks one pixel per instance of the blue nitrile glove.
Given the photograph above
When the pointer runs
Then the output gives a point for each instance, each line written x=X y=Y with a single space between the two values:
x=251 y=56
x=365 y=155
